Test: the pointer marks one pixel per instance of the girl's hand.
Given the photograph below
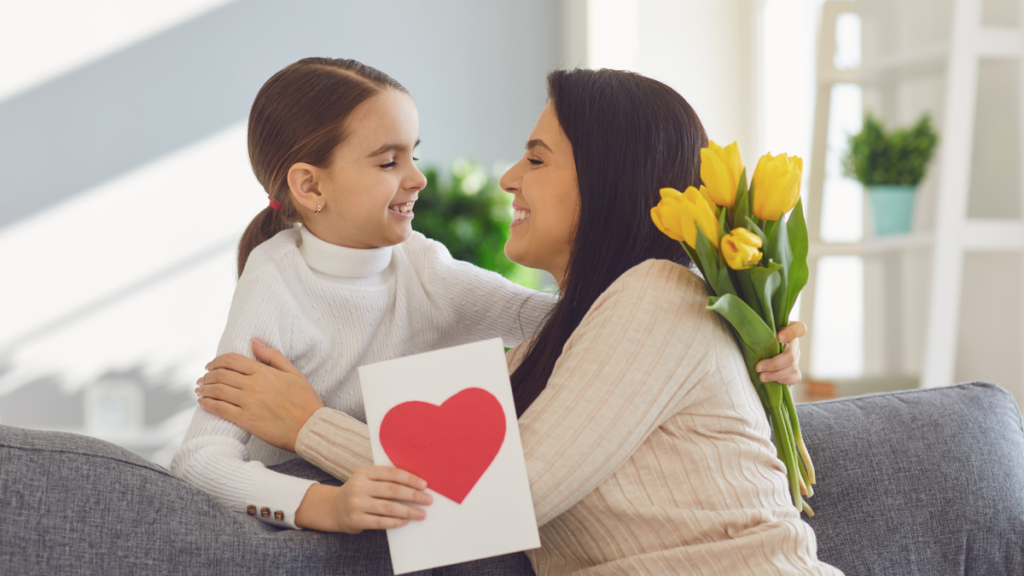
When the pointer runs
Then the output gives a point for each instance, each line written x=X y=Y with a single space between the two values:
x=785 y=368
x=372 y=499
x=270 y=399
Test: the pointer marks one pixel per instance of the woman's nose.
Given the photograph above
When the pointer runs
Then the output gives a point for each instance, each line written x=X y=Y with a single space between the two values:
x=511 y=178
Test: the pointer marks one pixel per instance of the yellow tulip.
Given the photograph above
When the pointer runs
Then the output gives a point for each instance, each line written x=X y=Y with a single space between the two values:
x=668 y=214
x=720 y=169
x=679 y=214
x=740 y=248
x=776 y=185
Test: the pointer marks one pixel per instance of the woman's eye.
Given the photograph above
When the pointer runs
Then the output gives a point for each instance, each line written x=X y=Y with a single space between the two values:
x=534 y=162
x=415 y=159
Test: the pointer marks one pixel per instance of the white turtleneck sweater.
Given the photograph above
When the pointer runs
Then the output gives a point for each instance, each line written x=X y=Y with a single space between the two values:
x=331 y=309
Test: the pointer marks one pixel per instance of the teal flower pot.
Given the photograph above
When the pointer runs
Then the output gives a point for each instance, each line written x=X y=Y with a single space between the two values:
x=892 y=208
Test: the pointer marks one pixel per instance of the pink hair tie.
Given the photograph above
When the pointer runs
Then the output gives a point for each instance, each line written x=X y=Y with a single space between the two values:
x=275 y=204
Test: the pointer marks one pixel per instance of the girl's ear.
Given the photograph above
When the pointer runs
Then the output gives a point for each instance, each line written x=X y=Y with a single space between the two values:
x=304 y=183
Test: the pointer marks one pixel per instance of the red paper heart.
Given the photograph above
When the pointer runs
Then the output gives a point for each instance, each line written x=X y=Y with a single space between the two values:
x=451 y=445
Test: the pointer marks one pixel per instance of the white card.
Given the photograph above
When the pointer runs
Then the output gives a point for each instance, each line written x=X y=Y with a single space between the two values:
x=452 y=442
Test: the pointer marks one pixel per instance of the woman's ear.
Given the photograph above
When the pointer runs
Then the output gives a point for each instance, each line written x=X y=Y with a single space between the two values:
x=304 y=183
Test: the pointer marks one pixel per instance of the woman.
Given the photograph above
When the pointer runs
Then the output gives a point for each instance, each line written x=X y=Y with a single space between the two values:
x=647 y=449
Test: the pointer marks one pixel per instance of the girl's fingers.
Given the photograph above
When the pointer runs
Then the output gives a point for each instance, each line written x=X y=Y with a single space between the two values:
x=392 y=474
x=389 y=509
x=392 y=491
x=235 y=363
x=372 y=522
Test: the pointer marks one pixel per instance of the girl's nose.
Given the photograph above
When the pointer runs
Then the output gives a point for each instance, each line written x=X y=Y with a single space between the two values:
x=419 y=181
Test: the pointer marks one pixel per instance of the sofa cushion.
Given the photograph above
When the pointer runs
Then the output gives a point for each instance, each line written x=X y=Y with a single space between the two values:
x=923 y=482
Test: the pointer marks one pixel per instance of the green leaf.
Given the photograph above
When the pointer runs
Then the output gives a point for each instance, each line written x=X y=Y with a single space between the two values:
x=780 y=252
x=723 y=225
x=767 y=281
x=725 y=284
x=798 y=270
x=760 y=233
x=742 y=205
x=693 y=258
x=709 y=259
x=751 y=329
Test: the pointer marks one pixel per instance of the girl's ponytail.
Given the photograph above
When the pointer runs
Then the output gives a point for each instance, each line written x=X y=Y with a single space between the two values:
x=262 y=228
x=299 y=116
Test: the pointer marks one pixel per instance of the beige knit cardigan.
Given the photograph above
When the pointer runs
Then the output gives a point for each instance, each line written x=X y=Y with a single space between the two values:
x=648 y=452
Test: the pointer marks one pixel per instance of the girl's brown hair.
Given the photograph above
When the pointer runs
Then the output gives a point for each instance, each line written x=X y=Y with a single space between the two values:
x=299 y=116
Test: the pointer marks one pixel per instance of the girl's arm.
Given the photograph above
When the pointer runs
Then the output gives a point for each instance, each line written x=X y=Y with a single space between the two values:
x=477 y=303
x=214 y=456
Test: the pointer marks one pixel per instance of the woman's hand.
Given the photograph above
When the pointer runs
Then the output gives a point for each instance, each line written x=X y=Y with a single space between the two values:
x=785 y=368
x=270 y=399
x=370 y=500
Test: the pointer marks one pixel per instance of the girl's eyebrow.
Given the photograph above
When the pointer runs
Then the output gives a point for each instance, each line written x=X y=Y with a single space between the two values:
x=391 y=147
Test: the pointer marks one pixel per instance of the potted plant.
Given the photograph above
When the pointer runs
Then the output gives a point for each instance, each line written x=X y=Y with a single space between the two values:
x=890 y=166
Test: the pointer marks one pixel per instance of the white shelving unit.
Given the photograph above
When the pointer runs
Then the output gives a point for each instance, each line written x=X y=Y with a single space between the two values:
x=954 y=234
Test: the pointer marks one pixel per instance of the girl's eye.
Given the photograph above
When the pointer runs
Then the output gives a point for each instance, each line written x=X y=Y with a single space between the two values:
x=415 y=159
x=534 y=162
x=388 y=165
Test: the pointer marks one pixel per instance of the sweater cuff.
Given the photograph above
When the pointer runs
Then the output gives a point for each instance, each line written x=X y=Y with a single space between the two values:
x=335 y=442
x=276 y=499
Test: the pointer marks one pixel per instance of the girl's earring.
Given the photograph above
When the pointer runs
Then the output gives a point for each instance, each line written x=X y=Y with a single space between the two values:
x=318 y=207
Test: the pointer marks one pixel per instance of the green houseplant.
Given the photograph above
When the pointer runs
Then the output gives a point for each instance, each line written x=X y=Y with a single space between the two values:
x=890 y=166
x=470 y=214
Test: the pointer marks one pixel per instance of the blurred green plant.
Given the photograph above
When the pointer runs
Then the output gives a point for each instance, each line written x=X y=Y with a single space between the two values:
x=470 y=214
x=899 y=157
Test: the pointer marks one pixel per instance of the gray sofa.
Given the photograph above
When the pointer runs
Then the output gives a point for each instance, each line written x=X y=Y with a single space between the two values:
x=923 y=483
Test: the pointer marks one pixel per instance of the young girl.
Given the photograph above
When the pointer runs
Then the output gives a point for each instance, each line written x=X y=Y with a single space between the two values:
x=332 y=141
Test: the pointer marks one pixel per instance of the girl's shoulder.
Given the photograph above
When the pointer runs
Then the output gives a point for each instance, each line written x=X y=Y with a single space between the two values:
x=419 y=248
x=266 y=260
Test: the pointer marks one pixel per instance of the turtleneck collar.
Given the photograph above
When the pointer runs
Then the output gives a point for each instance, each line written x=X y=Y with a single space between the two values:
x=341 y=261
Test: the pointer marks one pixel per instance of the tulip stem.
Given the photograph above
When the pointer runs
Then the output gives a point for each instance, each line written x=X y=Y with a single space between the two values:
x=798 y=435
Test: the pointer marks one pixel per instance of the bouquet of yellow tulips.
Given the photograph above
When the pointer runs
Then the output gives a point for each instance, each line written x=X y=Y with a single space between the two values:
x=754 y=263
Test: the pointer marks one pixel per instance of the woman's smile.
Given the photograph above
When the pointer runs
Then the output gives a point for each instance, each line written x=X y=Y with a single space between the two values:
x=519 y=215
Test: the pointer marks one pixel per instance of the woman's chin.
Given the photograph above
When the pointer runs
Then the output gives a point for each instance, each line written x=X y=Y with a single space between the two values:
x=514 y=251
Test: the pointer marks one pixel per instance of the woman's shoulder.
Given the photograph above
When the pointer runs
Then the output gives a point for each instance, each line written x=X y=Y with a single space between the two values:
x=654 y=279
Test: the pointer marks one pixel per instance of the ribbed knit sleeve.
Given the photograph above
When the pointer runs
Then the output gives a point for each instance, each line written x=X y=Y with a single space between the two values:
x=213 y=455
x=478 y=303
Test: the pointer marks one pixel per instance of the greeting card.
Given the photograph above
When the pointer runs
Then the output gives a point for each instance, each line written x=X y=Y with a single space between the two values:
x=448 y=417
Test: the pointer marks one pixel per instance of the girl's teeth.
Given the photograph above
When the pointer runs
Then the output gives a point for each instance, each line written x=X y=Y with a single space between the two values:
x=402 y=208
x=520 y=215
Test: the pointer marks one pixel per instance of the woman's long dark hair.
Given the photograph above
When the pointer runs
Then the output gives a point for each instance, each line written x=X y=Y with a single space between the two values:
x=630 y=136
